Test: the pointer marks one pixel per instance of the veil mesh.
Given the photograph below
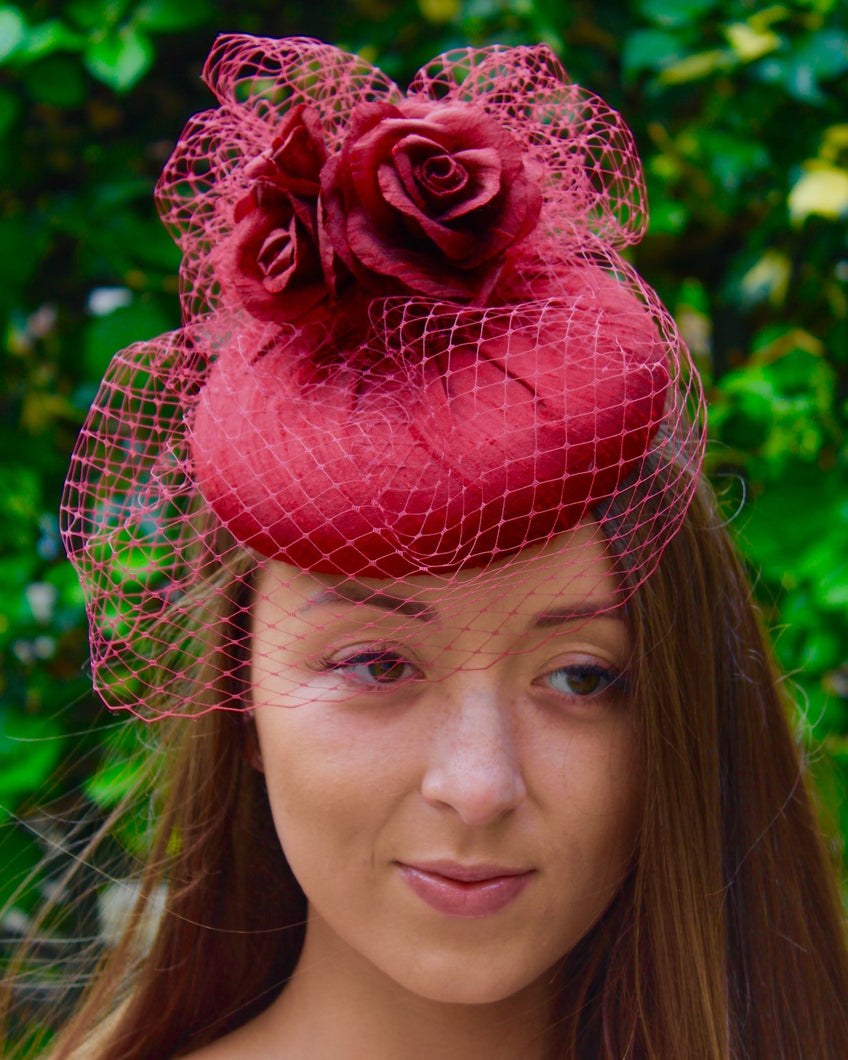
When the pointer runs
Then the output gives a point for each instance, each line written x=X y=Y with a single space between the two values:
x=411 y=353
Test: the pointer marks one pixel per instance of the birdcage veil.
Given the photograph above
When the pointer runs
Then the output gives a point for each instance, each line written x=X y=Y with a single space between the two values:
x=411 y=349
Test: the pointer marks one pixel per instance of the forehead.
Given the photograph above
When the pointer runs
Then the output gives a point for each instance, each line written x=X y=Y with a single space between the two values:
x=571 y=574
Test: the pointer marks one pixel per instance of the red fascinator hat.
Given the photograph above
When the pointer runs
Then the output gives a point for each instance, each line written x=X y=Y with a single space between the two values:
x=410 y=343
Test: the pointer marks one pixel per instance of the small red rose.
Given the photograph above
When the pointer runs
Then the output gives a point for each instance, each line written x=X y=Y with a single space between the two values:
x=272 y=261
x=431 y=195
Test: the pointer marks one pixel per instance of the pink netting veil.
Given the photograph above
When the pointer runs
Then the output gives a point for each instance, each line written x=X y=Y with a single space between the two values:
x=411 y=353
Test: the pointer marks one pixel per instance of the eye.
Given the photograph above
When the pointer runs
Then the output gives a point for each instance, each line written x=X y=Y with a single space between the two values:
x=585 y=679
x=378 y=668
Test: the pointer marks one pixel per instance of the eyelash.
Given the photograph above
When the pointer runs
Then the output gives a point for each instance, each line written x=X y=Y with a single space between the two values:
x=610 y=679
x=368 y=657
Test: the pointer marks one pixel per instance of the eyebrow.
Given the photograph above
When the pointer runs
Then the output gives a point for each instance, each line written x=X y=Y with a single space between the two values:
x=559 y=616
x=352 y=593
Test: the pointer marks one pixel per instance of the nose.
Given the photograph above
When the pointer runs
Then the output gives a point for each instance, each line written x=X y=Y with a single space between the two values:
x=473 y=766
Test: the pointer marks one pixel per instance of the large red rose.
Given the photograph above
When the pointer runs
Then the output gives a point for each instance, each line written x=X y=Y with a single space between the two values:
x=272 y=261
x=431 y=195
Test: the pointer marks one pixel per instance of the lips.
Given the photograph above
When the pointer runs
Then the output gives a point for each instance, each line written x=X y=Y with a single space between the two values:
x=467 y=891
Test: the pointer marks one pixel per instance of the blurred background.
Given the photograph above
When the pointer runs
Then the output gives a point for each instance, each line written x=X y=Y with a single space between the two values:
x=740 y=112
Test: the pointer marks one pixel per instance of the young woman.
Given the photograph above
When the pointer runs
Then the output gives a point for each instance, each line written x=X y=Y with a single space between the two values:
x=473 y=745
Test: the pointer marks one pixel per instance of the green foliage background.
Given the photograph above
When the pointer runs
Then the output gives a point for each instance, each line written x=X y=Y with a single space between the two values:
x=739 y=110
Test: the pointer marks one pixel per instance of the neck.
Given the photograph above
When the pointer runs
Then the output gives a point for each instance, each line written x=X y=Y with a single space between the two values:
x=339 y=1004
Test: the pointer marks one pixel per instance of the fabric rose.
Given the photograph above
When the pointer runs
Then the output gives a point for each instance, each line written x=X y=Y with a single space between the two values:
x=272 y=261
x=432 y=195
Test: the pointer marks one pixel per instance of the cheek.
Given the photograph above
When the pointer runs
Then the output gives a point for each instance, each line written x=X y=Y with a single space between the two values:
x=302 y=777
x=590 y=787
x=331 y=786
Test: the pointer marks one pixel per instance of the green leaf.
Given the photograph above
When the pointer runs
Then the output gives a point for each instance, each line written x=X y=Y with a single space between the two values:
x=821 y=56
x=668 y=218
x=650 y=49
x=57 y=80
x=747 y=423
x=30 y=748
x=47 y=38
x=126 y=748
x=22 y=249
x=96 y=14
x=20 y=507
x=733 y=160
x=20 y=856
x=825 y=52
x=168 y=16
x=104 y=336
x=675 y=12
x=120 y=60
x=804 y=504
x=10 y=108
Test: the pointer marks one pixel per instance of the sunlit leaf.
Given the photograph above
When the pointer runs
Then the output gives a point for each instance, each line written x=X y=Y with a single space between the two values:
x=12 y=30
x=696 y=67
x=834 y=142
x=833 y=587
x=750 y=43
x=120 y=60
x=437 y=11
x=821 y=189
x=768 y=279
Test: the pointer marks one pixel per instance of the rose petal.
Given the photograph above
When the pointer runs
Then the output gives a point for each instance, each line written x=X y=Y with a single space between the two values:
x=276 y=258
x=438 y=192
x=333 y=214
x=439 y=175
x=417 y=270
x=293 y=161
x=470 y=128
x=486 y=177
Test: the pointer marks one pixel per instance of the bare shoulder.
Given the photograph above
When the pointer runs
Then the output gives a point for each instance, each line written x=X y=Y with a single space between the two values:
x=247 y=1041
x=234 y=1046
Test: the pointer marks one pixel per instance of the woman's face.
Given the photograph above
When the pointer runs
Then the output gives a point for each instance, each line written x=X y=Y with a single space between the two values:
x=451 y=771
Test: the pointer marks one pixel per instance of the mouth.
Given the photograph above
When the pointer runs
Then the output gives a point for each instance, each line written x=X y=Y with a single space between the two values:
x=466 y=891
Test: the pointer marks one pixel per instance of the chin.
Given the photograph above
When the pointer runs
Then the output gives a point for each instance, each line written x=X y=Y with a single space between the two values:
x=472 y=982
